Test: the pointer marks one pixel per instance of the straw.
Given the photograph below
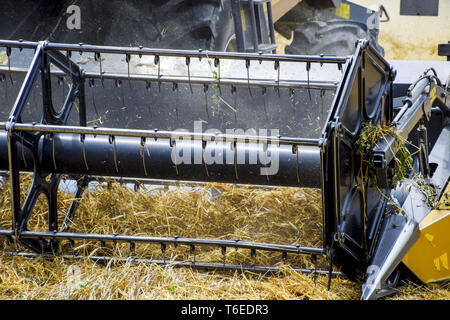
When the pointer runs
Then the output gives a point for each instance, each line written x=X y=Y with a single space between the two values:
x=280 y=215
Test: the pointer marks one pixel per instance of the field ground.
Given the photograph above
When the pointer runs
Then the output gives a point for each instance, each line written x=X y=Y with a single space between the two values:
x=283 y=215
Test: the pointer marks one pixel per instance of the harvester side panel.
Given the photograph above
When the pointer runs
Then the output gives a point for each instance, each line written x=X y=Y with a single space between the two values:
x=352 y=221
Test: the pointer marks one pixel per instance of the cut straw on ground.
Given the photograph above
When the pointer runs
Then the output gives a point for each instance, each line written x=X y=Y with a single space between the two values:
x=280 y=215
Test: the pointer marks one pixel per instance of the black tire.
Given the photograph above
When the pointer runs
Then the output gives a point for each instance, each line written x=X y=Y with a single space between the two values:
x=172 y=24
x=194 y=24
x=333 y=37
x=180 y=24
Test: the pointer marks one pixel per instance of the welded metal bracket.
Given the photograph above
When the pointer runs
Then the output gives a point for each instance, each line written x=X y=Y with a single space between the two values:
x=43 y=182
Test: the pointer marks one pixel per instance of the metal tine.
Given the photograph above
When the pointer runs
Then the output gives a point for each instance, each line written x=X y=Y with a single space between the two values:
x=277 y=68
x=292 y=97
x=127 y=59
x=60 y=83
x=82 y=138
x=42 y=242
x=188 y=62
x=192 y=251
x=92 y=85
x=203 y=157
x=112 y=140
x=308 y=67
x=247 y=65
x=143 y=149
x=163 y=250
x=175 y=88
x=56 y=247
x=115 y=241
x=173 y=144
x=295 y=150
x=158 y=62
x=223 y=250
x=205 y=90
x=264 y=92
x=118 y=84
x=98 y=58
x=234 y=92
x=148 y=86
x=253 y=254
x=8 y=53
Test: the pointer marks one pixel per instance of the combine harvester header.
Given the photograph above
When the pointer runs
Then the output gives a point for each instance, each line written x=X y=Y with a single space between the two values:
x=325 y=122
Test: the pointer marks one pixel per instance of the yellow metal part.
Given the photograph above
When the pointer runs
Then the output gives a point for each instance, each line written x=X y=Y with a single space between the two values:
x=429 y=257
x=244 y=25
x=343 y=11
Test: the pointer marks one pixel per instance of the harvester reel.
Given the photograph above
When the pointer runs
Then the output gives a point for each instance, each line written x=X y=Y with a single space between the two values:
x=314 y=106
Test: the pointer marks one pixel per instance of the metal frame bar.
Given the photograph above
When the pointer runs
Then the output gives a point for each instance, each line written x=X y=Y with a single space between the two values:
x=237 y=82
x=40 y=185
x=185 y=264
x=241 y=244
x=161 y=134
x=203 y=54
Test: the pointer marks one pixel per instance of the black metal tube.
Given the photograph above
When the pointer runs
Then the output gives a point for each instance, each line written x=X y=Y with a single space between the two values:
x=189 y=160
